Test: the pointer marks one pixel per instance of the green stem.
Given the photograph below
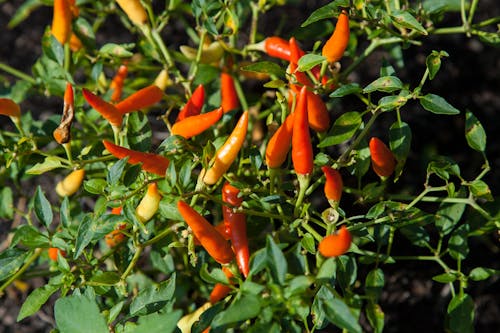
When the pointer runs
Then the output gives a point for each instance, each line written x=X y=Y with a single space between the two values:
x=26 y=265
x=132 y=264
x=67 y=57
x=67 y=148
x=303 y=185
x=310 y=230
x=472 y=12
x=160 y=236
x=17 y=73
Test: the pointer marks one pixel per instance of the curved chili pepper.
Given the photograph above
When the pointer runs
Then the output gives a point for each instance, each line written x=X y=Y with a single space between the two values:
x=134 y=10
x=237 y=225
x=277 y=47
x=333 y=185
x=153 y=163
x=229 y=97
x=302 y=152
x=9 y=108
x=193 y=105
x=53 y=251
x=210 y=239
x=295 y=54
x=62 y=133
x=334 y=47
x=117 y=83
x=336 y=244
x=222 y=228
x=149 y=204
x=107 y=110
x=71 y=183
x=383 y=161
x=61 y=21
x=195 y=125
x=140 y=99
x=221 y=290
x=279 y=144
x=226 y=154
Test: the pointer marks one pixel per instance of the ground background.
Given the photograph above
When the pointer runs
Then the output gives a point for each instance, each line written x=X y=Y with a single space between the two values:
x=469 y=79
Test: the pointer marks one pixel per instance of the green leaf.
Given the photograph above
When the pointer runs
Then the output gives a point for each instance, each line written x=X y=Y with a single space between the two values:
x=153 y=298
x=79 y=314
x=116 y=170
x=443 y=167
x=327 y=271
x=457 y=245
x=215 y=276
x=324 y=12
x=95 y=185
x=491 y=38
x=433 y=62
x=168 y=209
x=158 y=322
x=374 y=283
x=23 y=12
x=403 y=18
x=461 y=314
x=400 y=143
x=277 y=261
x=482 y=273
x=437 y=104
x=115 y=50
x=388 y=103
x=101 y=278
x=343 y=129
x=448 y=216
x=445 y=277
x=416 y=234
x=139 y=132
x=308 y=243
x=346 y=89
x=49 y=163
x=65 y=213
x=30 y=237
x=259 y=261
x=375 y=317
x=85 y=234
x=6 y=203
x=308 y=61
x=266 y=67
x=35 y=300
x=10 y=261
x=43 y=210
x=480 y=190
x=339 y=314
x=385 y=84
x=245 y=307
x=275 y=84
x=298 y=286
x=474 y=132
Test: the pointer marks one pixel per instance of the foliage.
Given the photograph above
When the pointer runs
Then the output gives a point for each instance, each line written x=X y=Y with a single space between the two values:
x=153 y=271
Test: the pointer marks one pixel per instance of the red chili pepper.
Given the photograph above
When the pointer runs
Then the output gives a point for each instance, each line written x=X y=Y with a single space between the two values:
x=107 y=110
x=226 y=154
x=334 y=47
x=117 y=83
x=237 y=225
x=62 y=133
x=9 y=108
x=61 y=21
x=302 y=152
x=229 y=97
x=333 y=185
x=277 y=47
x=53 y=251
x=153 y=163
x=295 y=54
x=194 y=104
x=337 y=244
x=317 y=113
x=279 y=144
x=140 y=99
x=383 y=161
x=210 y=239
x=222 y=228
x=221 y=290
x=194 y=125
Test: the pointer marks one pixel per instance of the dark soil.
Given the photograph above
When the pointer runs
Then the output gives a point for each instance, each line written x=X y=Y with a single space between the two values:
x=469 y=79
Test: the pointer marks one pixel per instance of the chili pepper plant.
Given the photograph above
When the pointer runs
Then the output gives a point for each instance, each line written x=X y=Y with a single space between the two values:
x=213 y=175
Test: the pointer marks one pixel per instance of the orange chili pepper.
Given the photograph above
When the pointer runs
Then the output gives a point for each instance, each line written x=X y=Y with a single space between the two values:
x=149 y=204
x=75 y=11
x=107 y=110
x=383 y=161
x=277 y=47
x=279 y=144
x=134 y=10
x=153 y=163
x=193 y=105
x=75 y=43
x=53 y=251
x=221 y=290
x=210 y=239
x=226 y=154
x=238 y=227
x=337 y=244
x=69 y=185
x=140 y=99
x=9 y=108
x=229 y=97
x=334 y=47
x=222 y=228
x=61 y=21
x=116 y=237
x=62 y=133
x=194 y=125
x=333 y=185
x=317 y=113
x=302 y=152
x=117 y=83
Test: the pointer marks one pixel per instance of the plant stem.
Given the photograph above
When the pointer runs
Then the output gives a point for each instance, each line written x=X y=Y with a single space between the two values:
x=17 y=73
x=132 y=264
